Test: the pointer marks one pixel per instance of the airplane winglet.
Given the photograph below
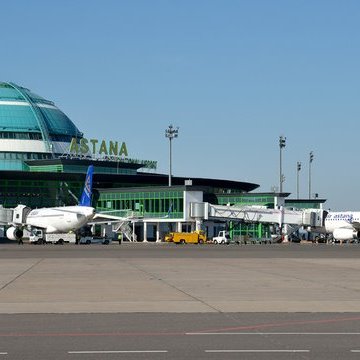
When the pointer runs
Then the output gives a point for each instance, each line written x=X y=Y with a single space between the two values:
x=87 y=192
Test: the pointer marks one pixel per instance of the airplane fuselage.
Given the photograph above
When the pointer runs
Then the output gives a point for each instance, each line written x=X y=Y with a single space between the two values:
x=60 y=219
x=344 y=220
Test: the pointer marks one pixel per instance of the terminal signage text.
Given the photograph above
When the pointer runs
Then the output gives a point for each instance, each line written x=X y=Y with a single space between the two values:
x=97 y=147
x=111 y=151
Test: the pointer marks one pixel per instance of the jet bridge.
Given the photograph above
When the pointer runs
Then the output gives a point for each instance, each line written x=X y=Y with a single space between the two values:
x=258 y=214
x=6 y=215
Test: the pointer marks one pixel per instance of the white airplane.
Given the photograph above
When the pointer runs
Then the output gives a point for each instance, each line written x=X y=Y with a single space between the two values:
x=343 y=225
x=55 y=219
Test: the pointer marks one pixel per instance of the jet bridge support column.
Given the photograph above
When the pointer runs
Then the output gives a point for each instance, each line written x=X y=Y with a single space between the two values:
x=199 y=212
x=145 y=232
x=198 y=224
x=284 y=233
x=281 y=224
x=133 y=231
x=158 y=239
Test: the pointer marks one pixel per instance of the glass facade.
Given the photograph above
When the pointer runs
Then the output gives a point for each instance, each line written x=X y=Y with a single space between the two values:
x=247 y=199
x=20 y=109
x=16 y=117
x=310 y=204
x=27 y=116
x=80 y=169
x=149 y=203
x=38 y=193
x=16 y=160
x=250 y=232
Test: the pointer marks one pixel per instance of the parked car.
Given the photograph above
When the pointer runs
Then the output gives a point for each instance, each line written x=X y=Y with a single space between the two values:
x=94 y=240
x=222 y=238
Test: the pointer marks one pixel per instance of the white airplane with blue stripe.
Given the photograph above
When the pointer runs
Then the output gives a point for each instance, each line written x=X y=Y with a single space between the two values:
x=344 y=225
x=54 y=219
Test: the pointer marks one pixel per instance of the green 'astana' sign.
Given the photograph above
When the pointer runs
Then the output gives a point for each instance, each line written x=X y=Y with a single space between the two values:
x=85 y=146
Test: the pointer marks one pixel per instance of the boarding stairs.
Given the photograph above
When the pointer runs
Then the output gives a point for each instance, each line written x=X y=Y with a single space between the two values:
x=125 y=228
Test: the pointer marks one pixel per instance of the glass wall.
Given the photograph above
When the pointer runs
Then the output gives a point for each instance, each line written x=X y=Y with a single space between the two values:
x=247 y=199
x=15 y=160
x=250 y=231
x=304 y=205
x=38 y=193
x=146 y=203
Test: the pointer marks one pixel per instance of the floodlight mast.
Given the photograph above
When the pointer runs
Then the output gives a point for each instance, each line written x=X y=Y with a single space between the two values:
x=311 y=159
x=171 y=133
x=298 y=168
x=282 y=144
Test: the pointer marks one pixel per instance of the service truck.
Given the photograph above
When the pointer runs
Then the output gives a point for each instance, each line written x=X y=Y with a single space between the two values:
x=40 y=237
x=195 y=237
x=222 y=238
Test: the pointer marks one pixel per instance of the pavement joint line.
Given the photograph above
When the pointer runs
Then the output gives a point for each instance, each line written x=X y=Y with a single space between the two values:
x=21 y=274
x=174 y=287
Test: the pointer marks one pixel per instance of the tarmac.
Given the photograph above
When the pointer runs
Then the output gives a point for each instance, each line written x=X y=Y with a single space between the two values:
x=151 y=278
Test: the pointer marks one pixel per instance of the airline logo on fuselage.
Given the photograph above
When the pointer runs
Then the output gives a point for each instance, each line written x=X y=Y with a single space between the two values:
x=348 y=217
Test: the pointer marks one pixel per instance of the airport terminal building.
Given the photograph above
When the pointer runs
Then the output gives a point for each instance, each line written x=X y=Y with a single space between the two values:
x=44 y=158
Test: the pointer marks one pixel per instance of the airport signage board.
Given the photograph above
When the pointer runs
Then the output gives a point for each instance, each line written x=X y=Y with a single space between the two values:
x=107 y=150
x=96 y=147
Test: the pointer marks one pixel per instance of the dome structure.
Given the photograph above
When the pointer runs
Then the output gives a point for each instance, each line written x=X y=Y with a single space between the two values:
x=31 y=127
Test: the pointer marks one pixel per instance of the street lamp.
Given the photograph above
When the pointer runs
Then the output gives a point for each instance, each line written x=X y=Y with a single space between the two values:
x=171 y=133
x=311 y=158
x=282 y=144
x=298 y=168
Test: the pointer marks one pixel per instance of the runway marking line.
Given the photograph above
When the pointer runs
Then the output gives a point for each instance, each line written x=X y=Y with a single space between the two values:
x=275 y=333
x=257 y=351
x=117 y=351
x=224 y=330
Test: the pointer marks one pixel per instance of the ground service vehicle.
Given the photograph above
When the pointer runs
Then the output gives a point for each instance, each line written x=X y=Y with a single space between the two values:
x=94 y=240
x=222 y=238
x=40 y=237
x=196 y=237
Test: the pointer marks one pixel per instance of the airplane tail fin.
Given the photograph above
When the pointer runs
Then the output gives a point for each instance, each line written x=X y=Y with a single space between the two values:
x=87 y=192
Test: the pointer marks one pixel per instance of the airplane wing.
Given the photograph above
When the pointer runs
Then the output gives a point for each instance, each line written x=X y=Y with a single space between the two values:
x=104 y=218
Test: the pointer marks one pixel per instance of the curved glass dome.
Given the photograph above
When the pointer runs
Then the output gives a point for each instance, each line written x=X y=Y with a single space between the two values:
x=22 y=111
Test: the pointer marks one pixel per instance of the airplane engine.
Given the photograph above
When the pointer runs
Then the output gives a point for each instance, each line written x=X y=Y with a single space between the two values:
x=14 y=233
x=345 y=234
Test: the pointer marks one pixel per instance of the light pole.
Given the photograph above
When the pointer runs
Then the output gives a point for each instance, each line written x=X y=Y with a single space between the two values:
x=311 y=158
x=171 y=133
x=298 y=168
x=282 y=144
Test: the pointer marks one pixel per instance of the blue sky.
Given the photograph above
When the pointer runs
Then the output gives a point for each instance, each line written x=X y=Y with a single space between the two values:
x=233 y=75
